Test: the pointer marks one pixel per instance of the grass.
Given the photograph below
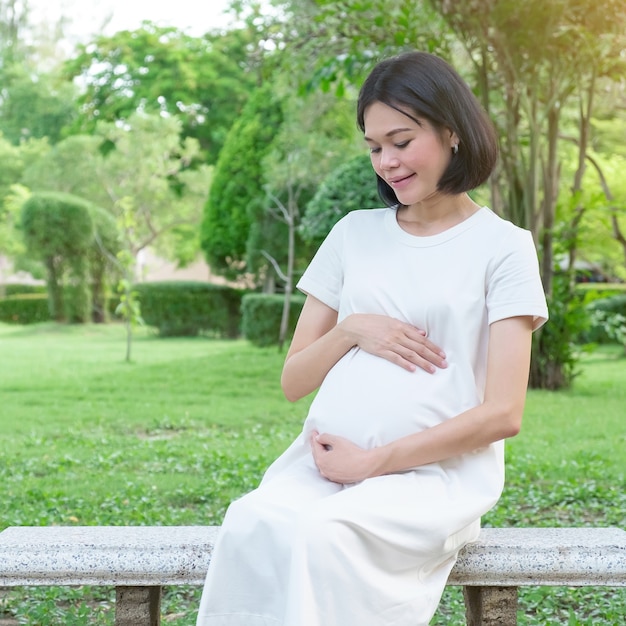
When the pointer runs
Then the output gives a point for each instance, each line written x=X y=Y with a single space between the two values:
x=86 y=438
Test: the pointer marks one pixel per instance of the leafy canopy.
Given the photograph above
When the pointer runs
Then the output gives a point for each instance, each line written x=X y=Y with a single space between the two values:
x=202 y=80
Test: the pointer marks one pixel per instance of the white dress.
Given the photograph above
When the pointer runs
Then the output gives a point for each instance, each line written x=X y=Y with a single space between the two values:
x=303 y=551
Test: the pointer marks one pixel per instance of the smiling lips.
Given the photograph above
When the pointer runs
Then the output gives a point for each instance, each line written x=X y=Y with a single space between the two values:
x=398 y=182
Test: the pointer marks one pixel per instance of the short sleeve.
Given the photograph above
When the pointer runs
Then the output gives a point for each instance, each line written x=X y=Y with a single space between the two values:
x=514 y=287
x=323 y=278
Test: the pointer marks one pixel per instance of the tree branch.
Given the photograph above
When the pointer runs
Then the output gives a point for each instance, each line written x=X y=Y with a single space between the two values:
x=275 y=265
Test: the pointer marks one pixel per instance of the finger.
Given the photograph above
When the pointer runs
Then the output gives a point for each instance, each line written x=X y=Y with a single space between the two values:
x=418 y=341
x=414 y=349
x=325 y=441
x=411 y=359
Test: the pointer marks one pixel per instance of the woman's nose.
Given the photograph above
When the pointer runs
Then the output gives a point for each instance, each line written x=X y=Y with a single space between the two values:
x=388 y=159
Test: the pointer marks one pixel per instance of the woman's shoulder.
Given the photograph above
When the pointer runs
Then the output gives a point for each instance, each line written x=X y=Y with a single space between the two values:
x=504 y=227
x=368 y=215
x=371 y=218
x=362 y=218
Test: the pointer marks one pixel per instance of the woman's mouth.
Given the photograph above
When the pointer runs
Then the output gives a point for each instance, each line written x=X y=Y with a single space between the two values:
x=400 y=181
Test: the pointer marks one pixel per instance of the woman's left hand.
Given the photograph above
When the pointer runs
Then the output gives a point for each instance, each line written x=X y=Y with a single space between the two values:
x=339 y=460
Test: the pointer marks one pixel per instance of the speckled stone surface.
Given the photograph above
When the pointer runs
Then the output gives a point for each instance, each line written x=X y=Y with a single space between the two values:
x=177 y=555
x=92 y=555
x=544 y=556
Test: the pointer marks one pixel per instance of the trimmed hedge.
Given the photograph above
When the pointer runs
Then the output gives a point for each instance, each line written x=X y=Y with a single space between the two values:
x=261 y=315
x=189 y=308
x=25 y=309
x=16 y=289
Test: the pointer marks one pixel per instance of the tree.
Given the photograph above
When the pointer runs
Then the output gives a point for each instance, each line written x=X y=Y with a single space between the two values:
x=237 y=193
x=333 y=44
x=147 y=164
x=204 y=81
x=58 y=228
x=316 y=136
x=612 y=206
x=105 y=247
x=538 y=57
x=34 y=101
x=35 y=105
x=13 y=20
x=143 y=161
x=352 y=186
x=71 y=166
x=11 y=244
x=13 y=160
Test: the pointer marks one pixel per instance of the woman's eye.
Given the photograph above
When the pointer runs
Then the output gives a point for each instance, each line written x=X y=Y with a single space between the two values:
x=374 y=150
x=403 y=144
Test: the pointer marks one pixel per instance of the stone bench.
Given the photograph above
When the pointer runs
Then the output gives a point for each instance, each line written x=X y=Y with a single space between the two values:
x=138 y=561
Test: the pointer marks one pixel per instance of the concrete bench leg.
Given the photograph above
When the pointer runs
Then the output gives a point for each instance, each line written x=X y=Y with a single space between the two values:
x=137 y=606
x=490 y=606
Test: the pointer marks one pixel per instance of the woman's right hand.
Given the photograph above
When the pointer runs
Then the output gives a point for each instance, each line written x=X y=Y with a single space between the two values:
x=394 y=340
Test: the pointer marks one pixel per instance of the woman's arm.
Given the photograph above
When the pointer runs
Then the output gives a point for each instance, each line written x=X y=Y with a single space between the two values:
x=319 y=342
x=498 y=417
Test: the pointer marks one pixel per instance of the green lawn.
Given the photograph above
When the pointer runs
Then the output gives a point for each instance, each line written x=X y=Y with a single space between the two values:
x=86 y=438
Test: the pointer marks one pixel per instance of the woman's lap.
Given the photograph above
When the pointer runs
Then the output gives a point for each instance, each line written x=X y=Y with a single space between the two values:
x=300 y=536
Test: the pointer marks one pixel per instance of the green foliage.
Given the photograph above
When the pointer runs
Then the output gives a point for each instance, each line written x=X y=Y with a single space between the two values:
x=106 y=246
x=597 y=291
x=598 y=210
x=77 y=296
x=142 y=166
x=203 y=81
x=13 y=160
x=613 y=304
x=338 y=43
x=58 y=229
x=261 y=314
x=56 y=224
x=129 y=307
x=70 y=166
x=237 y=196
x=607 y=320
x=17 y=289
x=146 y=171
x=26 y=308
x=35 y=105
x=190 y=308
x=351 y=187
x=555 y=355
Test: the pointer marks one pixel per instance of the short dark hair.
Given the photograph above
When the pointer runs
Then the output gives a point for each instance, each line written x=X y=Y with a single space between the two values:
x=426 y=85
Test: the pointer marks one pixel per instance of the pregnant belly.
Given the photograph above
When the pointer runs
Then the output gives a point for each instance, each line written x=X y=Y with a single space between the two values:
x=371 y=401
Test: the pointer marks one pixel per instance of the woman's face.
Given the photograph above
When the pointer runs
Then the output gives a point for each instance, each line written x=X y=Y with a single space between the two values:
x=411 y=157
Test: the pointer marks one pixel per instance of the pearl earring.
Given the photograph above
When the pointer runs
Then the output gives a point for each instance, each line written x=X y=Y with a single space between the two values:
x=455 y=148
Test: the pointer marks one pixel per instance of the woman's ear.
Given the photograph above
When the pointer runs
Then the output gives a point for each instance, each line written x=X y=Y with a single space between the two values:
x=454 y=140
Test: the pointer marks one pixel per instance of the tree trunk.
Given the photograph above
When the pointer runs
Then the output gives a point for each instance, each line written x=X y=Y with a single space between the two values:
x=291 y=253
x=55 y=291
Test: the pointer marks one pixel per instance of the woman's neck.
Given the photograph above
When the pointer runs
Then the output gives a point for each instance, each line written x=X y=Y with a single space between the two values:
x=435 y=215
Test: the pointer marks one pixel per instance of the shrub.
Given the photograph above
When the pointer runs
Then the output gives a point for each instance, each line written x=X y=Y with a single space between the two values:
x=16 y=289
x=555 y=356
x=25 y=309
x=261 y=314
x=351 y=187
x=180 y=309
x=608 y=320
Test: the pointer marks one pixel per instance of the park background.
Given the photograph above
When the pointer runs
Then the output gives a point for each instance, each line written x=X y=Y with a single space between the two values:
x=125 y=400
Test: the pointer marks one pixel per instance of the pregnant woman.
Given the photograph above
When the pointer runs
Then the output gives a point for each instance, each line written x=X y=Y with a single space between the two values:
x=416 y=334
